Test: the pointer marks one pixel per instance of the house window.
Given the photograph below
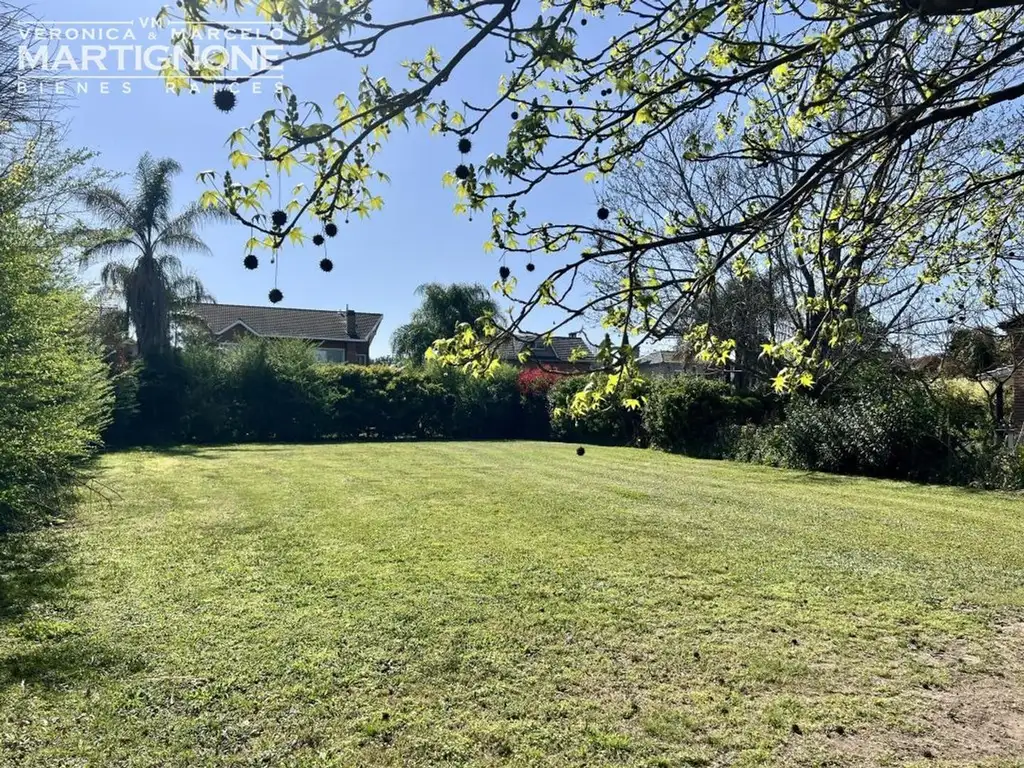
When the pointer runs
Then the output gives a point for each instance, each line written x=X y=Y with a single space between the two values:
x=361 y=359
x=328 y=355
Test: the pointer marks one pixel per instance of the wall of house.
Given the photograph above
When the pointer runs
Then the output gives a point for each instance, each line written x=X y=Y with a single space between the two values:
x=352 y=348
x=1017 y=408
x=557 y=367
x=233 y=336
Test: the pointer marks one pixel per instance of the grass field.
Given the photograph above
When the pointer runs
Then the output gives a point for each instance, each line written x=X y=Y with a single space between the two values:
x=511 y=604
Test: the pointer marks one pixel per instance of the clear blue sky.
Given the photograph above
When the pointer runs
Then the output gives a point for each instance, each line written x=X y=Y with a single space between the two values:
x=379 y=261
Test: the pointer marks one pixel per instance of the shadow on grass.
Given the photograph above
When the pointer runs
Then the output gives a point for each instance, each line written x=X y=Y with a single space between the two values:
x=34 y=570
x=212 y=451
x=207 y=452
x=44 y=645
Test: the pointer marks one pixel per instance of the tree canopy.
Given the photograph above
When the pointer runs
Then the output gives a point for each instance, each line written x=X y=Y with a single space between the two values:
x=883 y=136
x=442 y=310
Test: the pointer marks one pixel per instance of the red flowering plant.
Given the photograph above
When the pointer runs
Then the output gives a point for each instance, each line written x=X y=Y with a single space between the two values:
x=534 y=381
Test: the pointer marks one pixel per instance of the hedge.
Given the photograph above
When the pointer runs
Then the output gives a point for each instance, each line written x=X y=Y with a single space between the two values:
x=694 y=415
x=276 y=391
x=54 y=394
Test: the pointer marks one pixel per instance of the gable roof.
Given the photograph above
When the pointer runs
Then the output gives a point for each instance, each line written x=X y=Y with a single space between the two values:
x=559 y=350
x=282 y=323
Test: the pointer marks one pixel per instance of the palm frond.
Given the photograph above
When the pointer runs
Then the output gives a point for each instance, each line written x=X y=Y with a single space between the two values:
x=184 y=242
x=107 y=249
x=171 y=266
x=153 y=191
x=188 y=289
x=110 y=206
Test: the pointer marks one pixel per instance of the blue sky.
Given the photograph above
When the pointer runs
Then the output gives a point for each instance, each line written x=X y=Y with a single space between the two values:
x=379 y=261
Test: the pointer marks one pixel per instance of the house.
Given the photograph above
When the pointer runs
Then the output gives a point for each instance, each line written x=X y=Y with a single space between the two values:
x=669 y=363
x=341 y=336
x=561 y=354
x=1015 y=330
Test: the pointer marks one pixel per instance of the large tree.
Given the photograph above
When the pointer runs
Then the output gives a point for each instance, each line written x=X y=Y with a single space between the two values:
x=875 y=121
x=442 y=309
x=140 y=248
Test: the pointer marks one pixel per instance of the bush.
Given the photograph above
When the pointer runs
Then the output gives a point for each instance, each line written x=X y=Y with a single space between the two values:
x=275 y=390
x=54 y=394
x=695 y=415
x=614 y=424
x=894 y=427
x=534 y=387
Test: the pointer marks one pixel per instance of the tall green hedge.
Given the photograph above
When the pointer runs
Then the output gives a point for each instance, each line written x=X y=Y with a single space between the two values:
x=54 y=394
x=695 y=415
x=274 y=390
x=887 y=426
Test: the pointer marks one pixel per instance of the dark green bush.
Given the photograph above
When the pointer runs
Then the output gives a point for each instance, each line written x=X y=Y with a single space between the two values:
x=207 y=415
x=489 y=408
x=161 y=402
x=125 y=384
x=695 y=415
x=270 y=390
x=276 y=392
x=895 y=427
x=613 y=424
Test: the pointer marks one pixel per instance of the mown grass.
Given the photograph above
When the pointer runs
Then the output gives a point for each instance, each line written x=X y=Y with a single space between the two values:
x=498 y=604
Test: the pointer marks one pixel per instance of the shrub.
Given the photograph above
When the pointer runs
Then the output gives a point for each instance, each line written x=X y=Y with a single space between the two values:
x=124 y=379
x=161 y=402
x=613 y=424
x=54 y=394
x=536 y=381
x=894 y=427
x=277 y=392
x=695 y=415
x=534 y=387
x=274 y=390
x=207 y=413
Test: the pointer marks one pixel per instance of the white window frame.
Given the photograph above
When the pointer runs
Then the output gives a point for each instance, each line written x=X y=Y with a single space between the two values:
x=324 y=354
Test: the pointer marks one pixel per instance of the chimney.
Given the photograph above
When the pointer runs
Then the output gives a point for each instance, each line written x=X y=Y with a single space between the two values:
x=574 y=335
x=350 y=323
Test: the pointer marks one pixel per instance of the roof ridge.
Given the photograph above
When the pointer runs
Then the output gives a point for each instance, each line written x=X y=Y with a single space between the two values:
x=280 y=309
x=565 y=336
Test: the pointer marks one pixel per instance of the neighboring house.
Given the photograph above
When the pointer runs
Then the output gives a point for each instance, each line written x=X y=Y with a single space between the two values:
x=927 y=363
x=341 y=337
x=561 y=354
x=1015 y=330
x=669 y=363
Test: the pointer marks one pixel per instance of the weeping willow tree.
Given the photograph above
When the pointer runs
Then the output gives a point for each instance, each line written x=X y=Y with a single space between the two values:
x=140 y=247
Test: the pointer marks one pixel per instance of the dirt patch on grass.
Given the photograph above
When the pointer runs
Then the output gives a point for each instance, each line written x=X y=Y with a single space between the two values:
x=975 y=719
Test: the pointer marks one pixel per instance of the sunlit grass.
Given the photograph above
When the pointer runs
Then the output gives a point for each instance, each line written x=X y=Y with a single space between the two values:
x=493 y=604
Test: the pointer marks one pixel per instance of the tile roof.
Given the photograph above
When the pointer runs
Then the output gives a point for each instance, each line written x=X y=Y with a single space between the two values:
x=279 y=323
x=559 y=349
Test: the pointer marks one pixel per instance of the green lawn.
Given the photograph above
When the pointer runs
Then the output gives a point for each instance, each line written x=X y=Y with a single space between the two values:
x=511 y=604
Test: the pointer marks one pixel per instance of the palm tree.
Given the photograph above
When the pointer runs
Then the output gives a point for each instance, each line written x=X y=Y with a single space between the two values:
x=442 y=309
x=140 y=247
